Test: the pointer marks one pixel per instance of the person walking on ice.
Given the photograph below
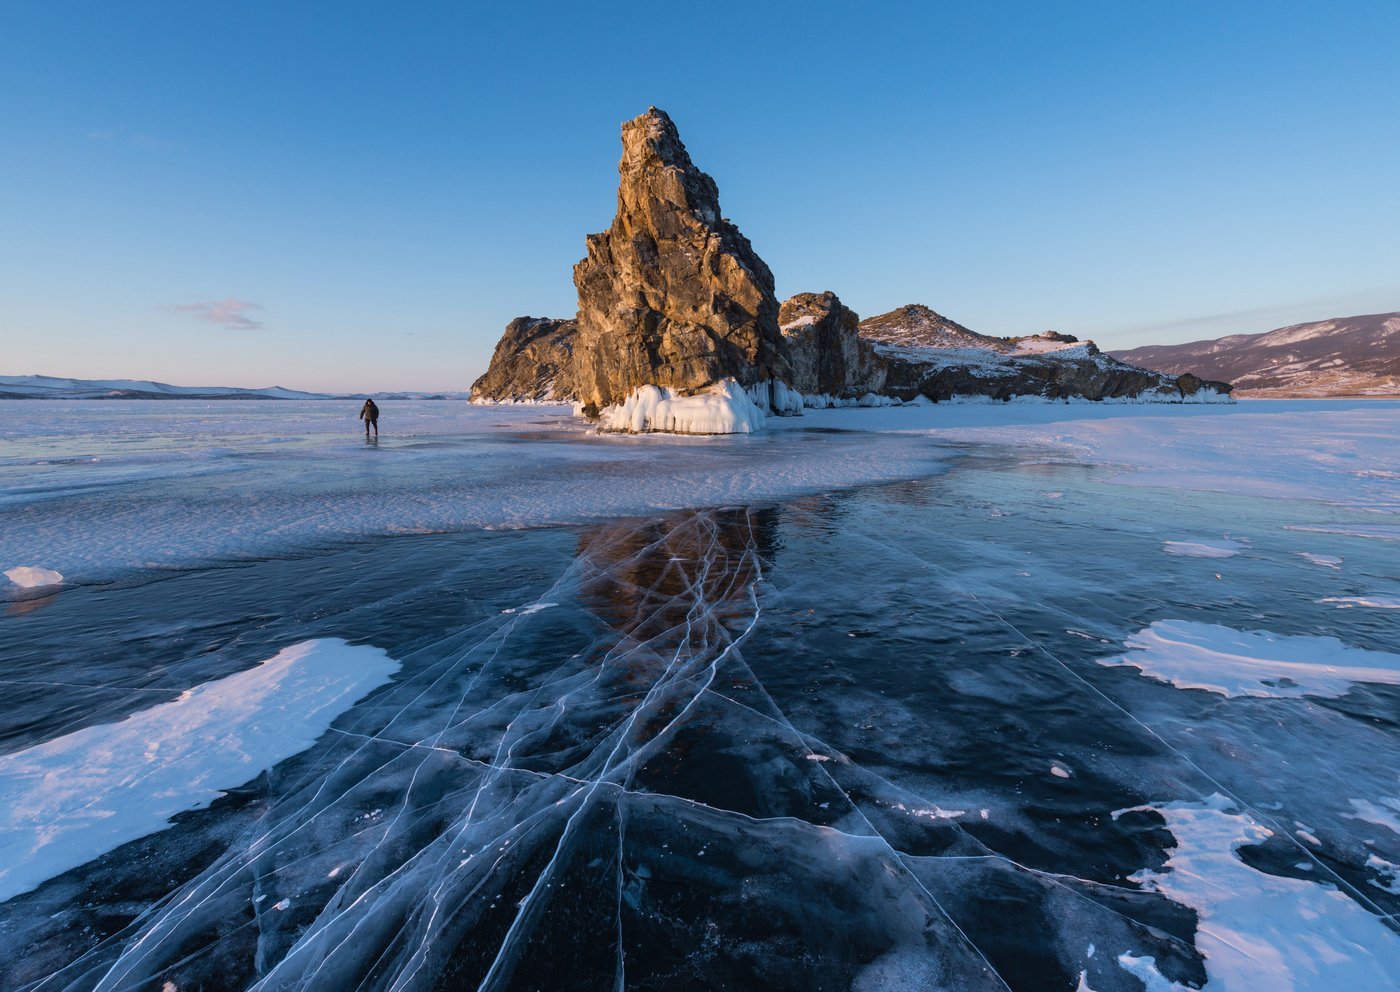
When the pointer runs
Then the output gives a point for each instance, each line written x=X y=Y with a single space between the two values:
x=369 y=413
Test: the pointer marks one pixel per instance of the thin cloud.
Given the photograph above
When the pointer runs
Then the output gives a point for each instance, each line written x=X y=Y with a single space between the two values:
x=228 y=313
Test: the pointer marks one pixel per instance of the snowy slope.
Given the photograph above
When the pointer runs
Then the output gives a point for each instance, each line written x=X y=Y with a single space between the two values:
x=1343 y=356
x=51 y=387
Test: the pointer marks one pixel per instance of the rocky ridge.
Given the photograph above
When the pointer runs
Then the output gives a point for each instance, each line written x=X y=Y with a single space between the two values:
x=673 y=296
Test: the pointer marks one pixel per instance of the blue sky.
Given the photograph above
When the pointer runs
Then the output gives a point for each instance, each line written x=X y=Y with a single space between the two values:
x=360 y=196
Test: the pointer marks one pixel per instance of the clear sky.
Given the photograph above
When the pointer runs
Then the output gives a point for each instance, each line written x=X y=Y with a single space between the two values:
x=352 y=196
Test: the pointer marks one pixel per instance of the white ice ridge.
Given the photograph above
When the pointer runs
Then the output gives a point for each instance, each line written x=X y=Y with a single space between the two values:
x=33 y=577
x=1192 y=655
x=68 y=800
x=724 y=408
x=1258 y=931
x=1202 y=549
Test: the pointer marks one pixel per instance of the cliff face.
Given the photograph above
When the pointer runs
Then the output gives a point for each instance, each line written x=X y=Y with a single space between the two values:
x=533 y=361
x=671 y=294
x=827 y=353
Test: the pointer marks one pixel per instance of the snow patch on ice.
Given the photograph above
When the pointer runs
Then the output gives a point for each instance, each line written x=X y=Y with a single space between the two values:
x=1375 y=602
x=71 y=799
x=1325 y=561
x=724 y=408
x=33 y=577
x=1202 y=549
x=1379 y=815
x=1260 y=931
x=1192 y=655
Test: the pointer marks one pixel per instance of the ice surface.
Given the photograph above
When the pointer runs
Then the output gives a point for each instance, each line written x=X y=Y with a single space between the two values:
x=725 y=408
x=1230 y=662
x=70 y=799
x=777 y=711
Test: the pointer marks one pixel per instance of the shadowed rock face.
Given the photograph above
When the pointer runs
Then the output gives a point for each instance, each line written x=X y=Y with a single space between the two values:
x=671 y=294
x=534 y=360
x=825 y=348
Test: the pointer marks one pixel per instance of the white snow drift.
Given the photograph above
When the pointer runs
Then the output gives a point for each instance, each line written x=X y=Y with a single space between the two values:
x=69 y=800
x=1259 y=931
x=1230 y=662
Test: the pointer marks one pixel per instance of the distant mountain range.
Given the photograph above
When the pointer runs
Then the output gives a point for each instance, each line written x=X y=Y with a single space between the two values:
x=47 y=387
x=1343 y=356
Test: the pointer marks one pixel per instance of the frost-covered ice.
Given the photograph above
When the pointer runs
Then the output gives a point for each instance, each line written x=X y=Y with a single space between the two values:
x=72 y=798
x=1322 y=561
x=1202 y=549
x=1231 y=662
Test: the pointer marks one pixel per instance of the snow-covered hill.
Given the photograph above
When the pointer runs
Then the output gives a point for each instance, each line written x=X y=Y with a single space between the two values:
x=54 y=388
x=1343 y=356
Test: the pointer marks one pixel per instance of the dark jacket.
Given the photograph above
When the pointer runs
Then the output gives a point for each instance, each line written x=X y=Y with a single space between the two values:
x=369 y=411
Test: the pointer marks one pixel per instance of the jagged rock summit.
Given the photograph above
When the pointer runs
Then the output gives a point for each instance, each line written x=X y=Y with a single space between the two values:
x=672 y=294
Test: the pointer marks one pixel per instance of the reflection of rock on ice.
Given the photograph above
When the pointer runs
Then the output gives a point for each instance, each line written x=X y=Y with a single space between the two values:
x=605 y=777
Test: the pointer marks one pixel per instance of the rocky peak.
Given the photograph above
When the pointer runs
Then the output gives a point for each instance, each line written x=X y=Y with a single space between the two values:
x=915 y=325
x=672 y=294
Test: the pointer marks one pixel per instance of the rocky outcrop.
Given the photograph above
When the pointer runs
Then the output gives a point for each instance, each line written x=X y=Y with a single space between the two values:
x=828 y=356
x=926 y=354
x=533 y=362
x=671 y=294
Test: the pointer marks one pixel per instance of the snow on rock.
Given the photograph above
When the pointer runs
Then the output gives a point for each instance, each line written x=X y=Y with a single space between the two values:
x=1192 y=655
x=724 y=408
x=33 y=577
x=71 y=799
x=1202 y=549
x=1259 y=931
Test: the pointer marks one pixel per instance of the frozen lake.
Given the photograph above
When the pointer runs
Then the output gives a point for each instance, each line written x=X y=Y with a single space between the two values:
x=990 y=696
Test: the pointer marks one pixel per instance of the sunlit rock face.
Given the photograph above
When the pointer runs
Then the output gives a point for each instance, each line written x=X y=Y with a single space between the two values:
x=824 y=344
x=672 y=294
x=533 y=362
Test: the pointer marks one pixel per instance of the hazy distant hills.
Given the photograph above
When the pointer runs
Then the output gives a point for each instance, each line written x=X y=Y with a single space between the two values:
x=52 y=387
x=1343 y=356
x=47 y=387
